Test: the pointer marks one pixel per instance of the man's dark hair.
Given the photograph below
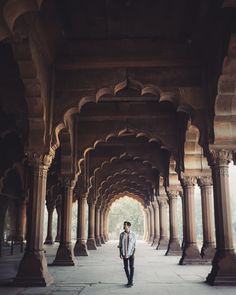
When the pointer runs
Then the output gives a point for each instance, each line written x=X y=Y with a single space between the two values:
x=127 y=223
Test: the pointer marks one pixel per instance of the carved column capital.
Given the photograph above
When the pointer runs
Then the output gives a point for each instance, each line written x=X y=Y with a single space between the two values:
x=162 y=200
x=36 y=159
x=188 y=181
x=69 y=181
x=173 y=194
x=220 y=157
x=205 y=181
x=155 y=204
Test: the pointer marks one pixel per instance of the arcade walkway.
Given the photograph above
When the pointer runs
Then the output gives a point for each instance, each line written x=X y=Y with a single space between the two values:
x=102 y=273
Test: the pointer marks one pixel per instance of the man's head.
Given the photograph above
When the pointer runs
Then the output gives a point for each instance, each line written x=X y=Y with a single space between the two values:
x=127 y=226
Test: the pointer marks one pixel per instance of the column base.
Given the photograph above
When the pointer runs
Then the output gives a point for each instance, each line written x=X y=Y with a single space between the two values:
x=57 y=239
x=64 y=256
x=33 y=271
x=91 y=244
x=162 y=244
x=208 y=251
x=80 y=248
x=151 y=239
x=105 y=239
x=102 y=240
x=223 y=270
x=48 y=242
x=191 y=255
x=98 y=242
x=174 y=248
x=155 y=242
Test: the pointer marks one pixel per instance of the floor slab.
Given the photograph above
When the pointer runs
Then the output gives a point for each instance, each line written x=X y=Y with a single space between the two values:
x=102 y=273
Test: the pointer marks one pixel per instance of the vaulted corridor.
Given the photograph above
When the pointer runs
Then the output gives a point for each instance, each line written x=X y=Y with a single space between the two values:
x=102 y=273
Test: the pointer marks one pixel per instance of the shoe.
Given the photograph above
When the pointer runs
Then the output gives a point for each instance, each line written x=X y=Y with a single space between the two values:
x=129 y=285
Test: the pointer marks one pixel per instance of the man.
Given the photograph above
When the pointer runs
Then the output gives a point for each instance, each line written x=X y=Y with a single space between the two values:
x=127 y=245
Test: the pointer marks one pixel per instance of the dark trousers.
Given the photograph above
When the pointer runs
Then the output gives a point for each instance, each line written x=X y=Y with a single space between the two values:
x=129 y=268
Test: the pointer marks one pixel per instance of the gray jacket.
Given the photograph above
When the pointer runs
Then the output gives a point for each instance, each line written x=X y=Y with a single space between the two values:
x=131 y=245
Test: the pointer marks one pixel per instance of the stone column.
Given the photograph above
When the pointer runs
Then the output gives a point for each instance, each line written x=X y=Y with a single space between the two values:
x=97 y=227
x=151 y=238
x=145 y=225
x=223 y=270
x=190 y=253
x=105 y=225
x=173 y=246
x=12 y=210
x=33 y=270
x=81 y=243
x=156 y=223
x=49 y=240
x=183 y=220
x=148 y=225
x=58 y=235
x=163 y=205
x=102 y=227
x=21 y=222
x=208 y=247
x=91 y=243
x=65 y=255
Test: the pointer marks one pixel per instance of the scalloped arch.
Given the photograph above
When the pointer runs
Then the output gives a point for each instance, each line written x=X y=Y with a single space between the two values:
x=118 y=158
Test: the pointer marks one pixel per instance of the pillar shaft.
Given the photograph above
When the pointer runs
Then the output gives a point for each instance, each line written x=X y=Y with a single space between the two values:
x=151 y=213
x=105 y=225
x=190 y=253
x=208 y=247
x=156 y=223
x=148 y=232
x=173 y=246
x=97 y=227
x=223 y=270
x=163 y=205
x=21 y=223
x=65 y=255
x=58 y=235
x=102 y=227
x=33 y=269
x=91 y=243
x=81 y=243
x=49 y=239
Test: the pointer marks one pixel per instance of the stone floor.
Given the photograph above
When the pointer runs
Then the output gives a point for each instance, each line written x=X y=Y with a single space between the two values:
x=102 y=273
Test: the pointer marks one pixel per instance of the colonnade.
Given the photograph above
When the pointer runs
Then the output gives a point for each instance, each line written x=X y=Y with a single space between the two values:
x=217 y=244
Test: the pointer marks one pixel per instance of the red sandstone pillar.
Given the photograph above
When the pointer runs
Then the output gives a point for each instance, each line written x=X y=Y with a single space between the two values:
x=58 y=209
x=151 y=213
x=105 y=233
x=173 y=246
x=91 y=243
x=97 y=227
x=21 y=222
x=208 y=247
x=49 y=240
x=163 y=205
x=156 y=223
x=223 y=270
x=81 y=243
x=102 y=227
x=190 y=253
x=65 y=255
x=33 y=270
x=147 y=225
